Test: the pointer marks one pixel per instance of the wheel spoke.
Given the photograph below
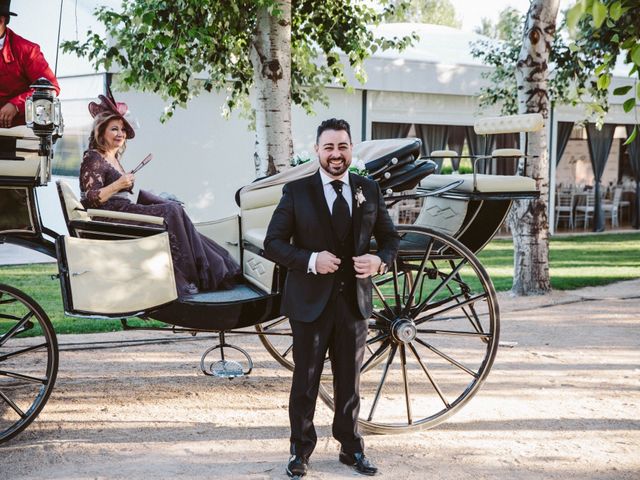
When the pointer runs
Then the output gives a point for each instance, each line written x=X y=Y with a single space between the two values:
x=12 y=405
x=371 y=341
x=419 y=276
x=377 y=338
x=470 y=301
x=16 y=328
x=20 y=376
x=392 y=354
x=431 y=379
x=22 y=352
x=383 y=299
x=275 y=323
x=377 y=354
x=381 y=317
x=447 y=358
x=444 y=282
x=473 y=318
x=405 y=378
x=396 y=287
x=288 y=350
x=455 y=333
x=438 y=304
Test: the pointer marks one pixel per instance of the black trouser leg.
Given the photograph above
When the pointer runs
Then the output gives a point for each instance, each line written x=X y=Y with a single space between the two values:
x=310 y=342
x=347 y=351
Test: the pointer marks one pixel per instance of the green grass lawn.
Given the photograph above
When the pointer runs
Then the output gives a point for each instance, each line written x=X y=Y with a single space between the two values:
x=575 y=262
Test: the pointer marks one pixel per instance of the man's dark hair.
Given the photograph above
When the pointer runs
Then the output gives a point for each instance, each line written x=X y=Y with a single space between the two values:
x=6 y=19
x=333 y=124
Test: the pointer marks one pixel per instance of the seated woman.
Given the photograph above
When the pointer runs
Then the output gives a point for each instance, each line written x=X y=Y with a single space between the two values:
x=199 y=263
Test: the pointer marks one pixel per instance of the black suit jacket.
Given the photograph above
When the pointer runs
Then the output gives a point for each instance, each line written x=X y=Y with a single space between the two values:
x=301 y=225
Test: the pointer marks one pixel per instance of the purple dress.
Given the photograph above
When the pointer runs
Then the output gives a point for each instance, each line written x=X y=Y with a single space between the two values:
x=198 y=261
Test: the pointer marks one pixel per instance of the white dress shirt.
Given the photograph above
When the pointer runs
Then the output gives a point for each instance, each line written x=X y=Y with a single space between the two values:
x=330 y=196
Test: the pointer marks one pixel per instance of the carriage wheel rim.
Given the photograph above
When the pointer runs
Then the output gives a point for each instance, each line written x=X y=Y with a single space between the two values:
x=40 y=396
x=411 y=350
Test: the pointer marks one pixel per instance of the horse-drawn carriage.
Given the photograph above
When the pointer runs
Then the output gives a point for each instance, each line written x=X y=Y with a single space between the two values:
x=433 y=335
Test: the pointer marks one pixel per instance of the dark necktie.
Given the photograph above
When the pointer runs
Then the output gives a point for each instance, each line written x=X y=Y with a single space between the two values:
x=340 y=216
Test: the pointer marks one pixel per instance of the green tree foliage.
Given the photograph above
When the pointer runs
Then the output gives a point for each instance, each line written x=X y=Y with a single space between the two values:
x=178 y=49
x=510 y=21
x=608 y=30
x=582 y=68
x=436 y=12
x=569 y=82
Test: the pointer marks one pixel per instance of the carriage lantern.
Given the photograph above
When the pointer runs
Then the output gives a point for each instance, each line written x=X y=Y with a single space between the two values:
x=42 y=112
x=43 y=116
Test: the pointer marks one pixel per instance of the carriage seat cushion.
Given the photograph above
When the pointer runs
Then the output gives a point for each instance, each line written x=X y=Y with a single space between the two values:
x=257 y=208
x=485 y=183
x=71 y=205
x=126 y=216
x=255 y=236
x=19 y=131
x=75 y=211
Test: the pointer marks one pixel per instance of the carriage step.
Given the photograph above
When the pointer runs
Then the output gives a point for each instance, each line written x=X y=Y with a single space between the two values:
x=225 y=368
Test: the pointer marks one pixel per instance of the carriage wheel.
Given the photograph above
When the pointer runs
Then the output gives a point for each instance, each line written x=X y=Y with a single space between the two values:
x=432 y=338
x=28 y=361
x=277 y=338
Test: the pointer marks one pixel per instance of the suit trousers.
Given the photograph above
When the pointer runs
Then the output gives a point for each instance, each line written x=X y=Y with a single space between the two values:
x=344 y=335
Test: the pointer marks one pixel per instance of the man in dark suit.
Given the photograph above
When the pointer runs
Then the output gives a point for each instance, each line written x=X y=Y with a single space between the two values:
x=327 y=296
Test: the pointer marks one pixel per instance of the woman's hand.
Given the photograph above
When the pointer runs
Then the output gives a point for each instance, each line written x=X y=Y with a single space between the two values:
x=125 y=182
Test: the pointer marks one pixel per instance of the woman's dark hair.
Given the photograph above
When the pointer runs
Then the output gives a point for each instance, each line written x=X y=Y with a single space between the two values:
x=333 y=124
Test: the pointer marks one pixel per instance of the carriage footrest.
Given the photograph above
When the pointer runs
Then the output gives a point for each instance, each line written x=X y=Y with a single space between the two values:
x=226 y=368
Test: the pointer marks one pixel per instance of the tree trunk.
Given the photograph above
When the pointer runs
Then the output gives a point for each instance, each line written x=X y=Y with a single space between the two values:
x=271 y=59
x=528 y=219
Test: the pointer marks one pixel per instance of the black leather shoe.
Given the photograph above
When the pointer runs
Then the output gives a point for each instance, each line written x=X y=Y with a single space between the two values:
x=298 y=466
x=359 y=462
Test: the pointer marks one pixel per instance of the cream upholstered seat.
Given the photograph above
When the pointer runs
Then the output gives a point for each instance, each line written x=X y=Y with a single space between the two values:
x=484 y=183
x=258 y=200
x=20 y=131
x=19 y=157
x=84 y=224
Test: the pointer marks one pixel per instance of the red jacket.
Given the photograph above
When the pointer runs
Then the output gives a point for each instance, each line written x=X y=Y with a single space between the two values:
x=21 y=63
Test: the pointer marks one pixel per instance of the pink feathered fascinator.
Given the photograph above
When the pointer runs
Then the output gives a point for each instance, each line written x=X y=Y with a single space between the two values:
x=109 y=105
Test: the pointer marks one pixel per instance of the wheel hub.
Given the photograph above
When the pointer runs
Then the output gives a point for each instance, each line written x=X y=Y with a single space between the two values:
x=403 y=330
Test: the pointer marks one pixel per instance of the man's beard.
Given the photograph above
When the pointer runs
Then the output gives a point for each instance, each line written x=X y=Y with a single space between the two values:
x=336 y=169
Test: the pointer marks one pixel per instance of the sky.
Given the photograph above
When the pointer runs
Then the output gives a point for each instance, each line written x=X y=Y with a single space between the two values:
x=471 y=11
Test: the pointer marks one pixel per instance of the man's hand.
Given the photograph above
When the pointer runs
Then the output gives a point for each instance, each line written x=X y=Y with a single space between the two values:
x=366 y=265
x=7 y=114
x=326 y=262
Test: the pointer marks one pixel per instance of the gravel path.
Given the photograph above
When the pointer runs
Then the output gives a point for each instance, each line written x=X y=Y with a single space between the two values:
x=562 y=402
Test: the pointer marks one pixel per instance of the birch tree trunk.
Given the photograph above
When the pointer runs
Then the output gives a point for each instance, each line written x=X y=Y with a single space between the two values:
x=271 y=59
x=528 y=220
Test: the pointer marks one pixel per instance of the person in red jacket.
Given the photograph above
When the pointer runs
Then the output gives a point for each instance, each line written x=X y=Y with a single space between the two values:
x=21 y=63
